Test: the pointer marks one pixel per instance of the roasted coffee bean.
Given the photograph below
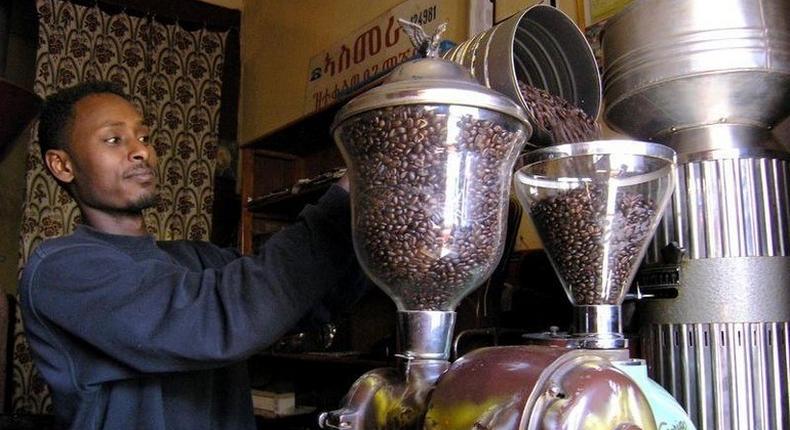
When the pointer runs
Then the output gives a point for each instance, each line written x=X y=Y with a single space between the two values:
x=565 y=122
x=429 y=208
x=576 y=232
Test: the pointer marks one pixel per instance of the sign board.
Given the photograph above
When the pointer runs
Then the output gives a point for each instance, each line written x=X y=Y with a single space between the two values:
x=369 y=52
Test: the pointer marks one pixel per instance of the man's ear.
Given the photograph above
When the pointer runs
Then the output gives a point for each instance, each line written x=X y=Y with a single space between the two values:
x=59 y=163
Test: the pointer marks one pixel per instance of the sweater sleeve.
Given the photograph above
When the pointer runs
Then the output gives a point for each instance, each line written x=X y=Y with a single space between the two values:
x=152 y=315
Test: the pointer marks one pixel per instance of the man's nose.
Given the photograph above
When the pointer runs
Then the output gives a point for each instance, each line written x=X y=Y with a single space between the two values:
x=140 y=151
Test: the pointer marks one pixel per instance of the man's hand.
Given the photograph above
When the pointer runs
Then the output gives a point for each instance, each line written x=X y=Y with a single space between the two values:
x=343 y=182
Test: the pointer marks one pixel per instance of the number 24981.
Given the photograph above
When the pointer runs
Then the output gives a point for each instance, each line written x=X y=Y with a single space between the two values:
x=427 y=15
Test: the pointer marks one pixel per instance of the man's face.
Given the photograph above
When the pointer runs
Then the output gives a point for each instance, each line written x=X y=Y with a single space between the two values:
x=112 y=162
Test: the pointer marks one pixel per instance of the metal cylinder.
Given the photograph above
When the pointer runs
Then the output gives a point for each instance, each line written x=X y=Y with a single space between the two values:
x=726 y=375
x=743 y=289
x=671 y=65
x=425 y=335
x=712 y=87
x=729 y=207
x=731 y=217
x=540 y=46
x=599 y=327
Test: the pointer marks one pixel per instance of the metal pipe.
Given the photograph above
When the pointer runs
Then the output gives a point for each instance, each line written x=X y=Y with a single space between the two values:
x=425 y=335
x=599 y=326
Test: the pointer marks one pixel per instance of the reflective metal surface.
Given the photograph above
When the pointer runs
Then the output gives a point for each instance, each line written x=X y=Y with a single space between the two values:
x=540 y=46
x=431 y=81
x=721 y=347
x=726 y=375
x=599 y=326
x=729 y=207
x=726 y=290
x=673 y=65
x=425 y=334
x=387 y=398
x=712 y=86
x=538 y=387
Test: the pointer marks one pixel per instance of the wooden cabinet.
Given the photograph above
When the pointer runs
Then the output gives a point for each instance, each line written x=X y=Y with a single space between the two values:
x=302 y=149
x=272 y=166
x=272 y=197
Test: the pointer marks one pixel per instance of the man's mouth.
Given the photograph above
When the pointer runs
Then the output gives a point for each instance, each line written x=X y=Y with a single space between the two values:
x=142 y=174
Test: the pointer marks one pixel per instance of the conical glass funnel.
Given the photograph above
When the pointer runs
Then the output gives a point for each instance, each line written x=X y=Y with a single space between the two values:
x=595 y=206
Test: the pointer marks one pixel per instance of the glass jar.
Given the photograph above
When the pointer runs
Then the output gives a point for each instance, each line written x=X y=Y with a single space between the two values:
x=430 y=155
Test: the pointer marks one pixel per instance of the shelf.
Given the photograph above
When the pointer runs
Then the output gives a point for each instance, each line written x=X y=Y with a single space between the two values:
x=287 y=205
x=344 y=358
x=309 y=133
x=302 y=136
x=298 y=411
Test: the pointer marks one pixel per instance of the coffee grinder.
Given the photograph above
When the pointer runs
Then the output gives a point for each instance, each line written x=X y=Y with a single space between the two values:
x=429 y=155
x=595 y=206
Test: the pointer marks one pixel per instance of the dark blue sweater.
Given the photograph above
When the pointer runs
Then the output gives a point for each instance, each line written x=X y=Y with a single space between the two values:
x=134 y=334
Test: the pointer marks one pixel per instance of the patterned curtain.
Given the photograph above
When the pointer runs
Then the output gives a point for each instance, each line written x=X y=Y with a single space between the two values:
x=174 y=77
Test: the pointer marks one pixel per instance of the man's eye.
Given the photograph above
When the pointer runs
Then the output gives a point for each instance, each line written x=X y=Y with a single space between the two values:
x=144 y=139
x=113 y=140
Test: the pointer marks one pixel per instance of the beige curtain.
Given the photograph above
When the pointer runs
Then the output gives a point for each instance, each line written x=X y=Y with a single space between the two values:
x=174 y=77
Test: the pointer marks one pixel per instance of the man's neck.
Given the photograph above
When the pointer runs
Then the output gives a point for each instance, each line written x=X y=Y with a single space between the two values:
x=127 y=224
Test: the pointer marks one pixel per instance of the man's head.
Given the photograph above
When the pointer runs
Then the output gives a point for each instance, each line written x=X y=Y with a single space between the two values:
x=95 y=144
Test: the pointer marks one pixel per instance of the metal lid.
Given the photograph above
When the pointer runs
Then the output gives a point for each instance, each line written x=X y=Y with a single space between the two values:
x=601 y=147
x=431 y=81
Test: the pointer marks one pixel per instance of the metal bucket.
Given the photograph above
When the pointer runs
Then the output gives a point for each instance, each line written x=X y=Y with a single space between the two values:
x=540 y=46
x=676 y=65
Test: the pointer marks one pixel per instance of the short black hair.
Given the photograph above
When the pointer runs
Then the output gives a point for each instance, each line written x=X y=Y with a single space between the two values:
x=57 y=114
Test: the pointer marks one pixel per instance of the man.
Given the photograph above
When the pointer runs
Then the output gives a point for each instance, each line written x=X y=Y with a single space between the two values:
x=134 y=334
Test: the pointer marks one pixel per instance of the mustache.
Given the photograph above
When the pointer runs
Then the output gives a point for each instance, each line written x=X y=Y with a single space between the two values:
x=140 y=169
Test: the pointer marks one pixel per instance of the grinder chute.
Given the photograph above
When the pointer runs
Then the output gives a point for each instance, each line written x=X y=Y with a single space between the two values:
x=430 y=154
x=595 y=206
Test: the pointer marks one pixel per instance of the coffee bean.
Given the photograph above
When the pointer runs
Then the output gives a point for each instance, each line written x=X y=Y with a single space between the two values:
x=565 y=122
x=430 y=209
x=576 y=233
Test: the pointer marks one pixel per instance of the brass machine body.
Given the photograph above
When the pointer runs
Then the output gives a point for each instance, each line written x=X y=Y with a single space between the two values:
x=538 y=387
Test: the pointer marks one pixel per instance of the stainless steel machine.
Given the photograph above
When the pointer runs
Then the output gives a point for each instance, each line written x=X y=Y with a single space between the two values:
x=430 y=154
x=711 y=79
